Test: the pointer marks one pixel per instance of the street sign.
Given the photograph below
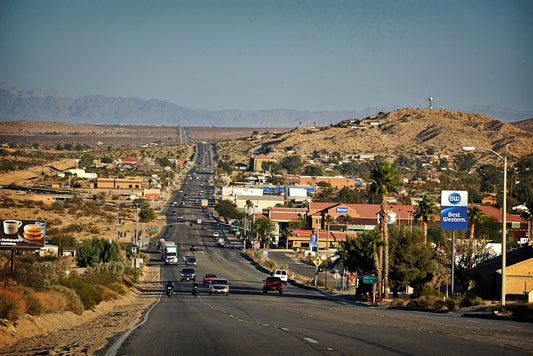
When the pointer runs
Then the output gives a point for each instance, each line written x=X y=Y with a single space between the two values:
x=153 y=230
x=337 y=276
x=370 y=279
x=312 y=241
x=317 y=261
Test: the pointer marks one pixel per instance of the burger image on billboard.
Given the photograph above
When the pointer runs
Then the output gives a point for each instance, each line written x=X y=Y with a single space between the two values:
x=33 y=232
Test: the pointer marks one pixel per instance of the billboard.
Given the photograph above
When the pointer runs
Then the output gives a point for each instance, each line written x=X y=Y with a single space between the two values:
x=22 y=234
x=454 y=210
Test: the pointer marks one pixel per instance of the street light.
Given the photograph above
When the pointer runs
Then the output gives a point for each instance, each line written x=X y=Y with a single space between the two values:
x=504 y=215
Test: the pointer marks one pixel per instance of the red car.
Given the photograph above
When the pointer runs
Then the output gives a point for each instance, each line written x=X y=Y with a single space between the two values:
x=273 y=283
x=209 y=277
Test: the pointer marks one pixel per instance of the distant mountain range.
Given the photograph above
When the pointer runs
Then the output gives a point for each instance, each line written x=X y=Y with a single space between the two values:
x=20 y=104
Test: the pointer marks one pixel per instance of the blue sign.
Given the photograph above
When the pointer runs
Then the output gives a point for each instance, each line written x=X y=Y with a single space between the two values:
x=312 y=242
x=342 y=210
x=454 y=210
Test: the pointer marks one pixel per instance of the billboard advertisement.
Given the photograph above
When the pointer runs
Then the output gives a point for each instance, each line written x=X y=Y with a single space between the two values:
x=22 y=234
x=454 y=210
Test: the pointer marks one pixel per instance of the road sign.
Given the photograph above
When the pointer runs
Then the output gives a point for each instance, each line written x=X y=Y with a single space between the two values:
x=337 y=276
x=312 y=241
x=317 y=261
x=370 y=279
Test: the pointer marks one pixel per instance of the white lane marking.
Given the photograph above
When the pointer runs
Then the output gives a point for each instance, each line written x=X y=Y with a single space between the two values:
x=313 y=341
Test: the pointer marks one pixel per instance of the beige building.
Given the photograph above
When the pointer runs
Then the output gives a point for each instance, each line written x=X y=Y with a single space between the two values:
x=119 y=183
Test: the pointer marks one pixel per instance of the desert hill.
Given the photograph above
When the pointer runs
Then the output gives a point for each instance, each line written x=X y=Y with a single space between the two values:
x=406 y=131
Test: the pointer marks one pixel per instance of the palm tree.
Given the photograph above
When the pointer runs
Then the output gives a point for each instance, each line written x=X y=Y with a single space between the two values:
x=329 y=220
x=384 y=180
x=425 y=210
x=348 y=219
x=474 y=216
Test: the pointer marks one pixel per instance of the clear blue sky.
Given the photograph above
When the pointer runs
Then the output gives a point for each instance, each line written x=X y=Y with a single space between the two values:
x=308 y=55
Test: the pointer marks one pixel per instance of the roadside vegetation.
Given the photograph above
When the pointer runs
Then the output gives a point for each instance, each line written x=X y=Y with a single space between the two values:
x=40 y=285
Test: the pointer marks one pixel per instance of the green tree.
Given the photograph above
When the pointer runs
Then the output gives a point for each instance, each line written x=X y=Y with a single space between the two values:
x=384 y=180
x=264 y=227
x=474 y=216
x=228 y=210
x=147 y=214
x=314 y=170
x=411 y=259
x=97 y=250
x=426 y=210
x=86 y=160
x=292 y=164
x=349 y=169
x=465 y=162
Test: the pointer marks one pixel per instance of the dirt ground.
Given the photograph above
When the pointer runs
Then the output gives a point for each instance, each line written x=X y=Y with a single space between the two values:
x=70 y=334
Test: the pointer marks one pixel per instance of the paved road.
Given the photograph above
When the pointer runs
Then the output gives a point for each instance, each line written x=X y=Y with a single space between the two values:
x=300 y=321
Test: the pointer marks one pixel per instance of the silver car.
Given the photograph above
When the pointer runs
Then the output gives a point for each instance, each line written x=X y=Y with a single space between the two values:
x=219 y=286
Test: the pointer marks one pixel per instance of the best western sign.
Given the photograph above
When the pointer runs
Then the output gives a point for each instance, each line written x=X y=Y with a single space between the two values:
x=454 y=210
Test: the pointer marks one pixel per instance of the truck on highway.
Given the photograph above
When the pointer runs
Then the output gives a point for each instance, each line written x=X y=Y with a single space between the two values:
x=169 y=253
x=205 y=204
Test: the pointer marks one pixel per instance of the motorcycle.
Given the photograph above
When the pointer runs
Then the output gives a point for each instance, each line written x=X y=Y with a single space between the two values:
x=170 y=290
x=195 y=291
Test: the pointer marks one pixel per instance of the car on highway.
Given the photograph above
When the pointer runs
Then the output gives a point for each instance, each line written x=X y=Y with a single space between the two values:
x=191 y=261
x=209 y=277
x=180 y=216
x=194 y=247
x=282 y=274
x=219 y=286
x=273 y=283
x=216 y=234
x=188 y=274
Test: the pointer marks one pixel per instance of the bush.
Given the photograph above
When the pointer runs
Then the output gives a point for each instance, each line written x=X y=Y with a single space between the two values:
x=73 y=301
x=397 y=303
x=33 y=304
x=424 y=290
x=51 y=301
x=89 y=294
x=470 y=300
x=12 y=304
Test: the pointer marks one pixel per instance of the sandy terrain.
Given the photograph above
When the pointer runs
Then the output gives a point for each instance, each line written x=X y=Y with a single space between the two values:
x=70 y=334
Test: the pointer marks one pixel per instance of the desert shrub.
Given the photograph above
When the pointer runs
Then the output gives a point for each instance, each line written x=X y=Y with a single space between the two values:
x=397 y=303
x=12 y=304
x=57 y=206
x=521 y=311
x=106 y=273
x=424 y=290
x=51 y=301
x=470 y=300
x=41 y=275
x=73 y=301
x=33 y=304
x=439 y=304
x=90 y=295
x=450 y=303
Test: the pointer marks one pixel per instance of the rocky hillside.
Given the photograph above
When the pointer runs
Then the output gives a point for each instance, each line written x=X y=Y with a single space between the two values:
x=406 y=131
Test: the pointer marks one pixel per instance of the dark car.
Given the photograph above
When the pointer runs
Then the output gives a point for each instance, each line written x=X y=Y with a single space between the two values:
x=191 y=261
x=273 y=283
x=188 y=274
x=194 y=247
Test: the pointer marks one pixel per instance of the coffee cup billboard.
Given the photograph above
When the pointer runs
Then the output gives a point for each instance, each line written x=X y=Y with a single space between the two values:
x=22 y=234
x=11 y=227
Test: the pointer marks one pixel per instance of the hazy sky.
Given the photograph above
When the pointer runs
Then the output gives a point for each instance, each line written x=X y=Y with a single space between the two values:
x=308 y=55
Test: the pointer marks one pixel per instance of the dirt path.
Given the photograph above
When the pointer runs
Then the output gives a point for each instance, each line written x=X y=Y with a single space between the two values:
x=71 y=334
